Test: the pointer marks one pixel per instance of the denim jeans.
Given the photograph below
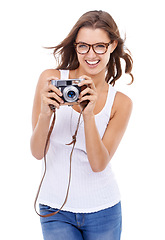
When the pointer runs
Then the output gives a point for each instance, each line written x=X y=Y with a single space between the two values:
x=101 y=225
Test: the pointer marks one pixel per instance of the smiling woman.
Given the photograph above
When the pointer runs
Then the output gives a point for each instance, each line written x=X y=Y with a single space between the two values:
x=98 y=50
x=92 y=53
x=103 y=23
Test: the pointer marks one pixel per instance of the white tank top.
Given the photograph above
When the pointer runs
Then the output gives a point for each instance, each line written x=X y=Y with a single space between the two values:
x=89 y=191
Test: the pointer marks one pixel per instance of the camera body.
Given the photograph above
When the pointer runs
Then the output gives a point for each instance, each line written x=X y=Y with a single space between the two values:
x=69 y=89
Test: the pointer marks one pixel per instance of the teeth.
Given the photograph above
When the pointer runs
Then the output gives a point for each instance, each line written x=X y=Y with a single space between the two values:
x=92 y=62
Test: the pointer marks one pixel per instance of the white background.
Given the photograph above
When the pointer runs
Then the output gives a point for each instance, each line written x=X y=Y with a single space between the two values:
x=139 y=165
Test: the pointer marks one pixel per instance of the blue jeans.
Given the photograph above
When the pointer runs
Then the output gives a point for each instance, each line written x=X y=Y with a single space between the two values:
x=101 y=225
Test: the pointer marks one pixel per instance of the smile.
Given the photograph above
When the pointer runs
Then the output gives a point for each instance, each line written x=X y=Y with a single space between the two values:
x=92 y=63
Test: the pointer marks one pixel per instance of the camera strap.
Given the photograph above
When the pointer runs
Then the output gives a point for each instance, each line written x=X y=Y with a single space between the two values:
x=45 y=166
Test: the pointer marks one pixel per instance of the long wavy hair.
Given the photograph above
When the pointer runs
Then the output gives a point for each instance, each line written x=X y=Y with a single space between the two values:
x=66 y=55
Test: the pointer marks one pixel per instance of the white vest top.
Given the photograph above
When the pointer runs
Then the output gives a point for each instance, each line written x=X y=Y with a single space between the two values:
x=89 y=191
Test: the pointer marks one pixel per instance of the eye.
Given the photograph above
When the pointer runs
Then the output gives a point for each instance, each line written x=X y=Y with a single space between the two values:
x=82 y=45
x=100 y=46
x=82 y=48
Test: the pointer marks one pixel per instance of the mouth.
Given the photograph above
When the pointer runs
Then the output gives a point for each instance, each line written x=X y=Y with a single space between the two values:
x=92 y=63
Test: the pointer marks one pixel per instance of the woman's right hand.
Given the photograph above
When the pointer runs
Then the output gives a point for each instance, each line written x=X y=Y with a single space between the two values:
x=50 y=95
x=45 y=95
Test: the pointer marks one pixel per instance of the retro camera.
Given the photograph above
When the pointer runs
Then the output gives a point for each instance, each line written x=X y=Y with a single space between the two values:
x=69 y=89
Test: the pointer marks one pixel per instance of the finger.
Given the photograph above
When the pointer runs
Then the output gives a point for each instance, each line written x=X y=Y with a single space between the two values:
x=90 y=98
x=49 y=101
x=54 y=89
x=86 y=91
x=54 y=96
x=50 y=95
x=51 y=88
x=87 y=82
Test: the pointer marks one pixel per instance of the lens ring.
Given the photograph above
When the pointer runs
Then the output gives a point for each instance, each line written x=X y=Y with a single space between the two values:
x=73 y=97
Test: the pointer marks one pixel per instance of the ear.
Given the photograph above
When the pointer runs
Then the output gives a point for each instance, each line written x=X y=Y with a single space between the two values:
x=113 y=46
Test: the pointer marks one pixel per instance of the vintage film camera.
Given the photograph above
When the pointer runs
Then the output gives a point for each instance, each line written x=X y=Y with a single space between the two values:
x=69 y=89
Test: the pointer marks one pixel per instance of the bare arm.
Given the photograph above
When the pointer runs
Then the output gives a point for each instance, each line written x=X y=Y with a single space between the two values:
x=42 y=113
x=100 y=151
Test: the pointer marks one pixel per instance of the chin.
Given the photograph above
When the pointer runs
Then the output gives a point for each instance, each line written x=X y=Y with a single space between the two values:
x=93 y=72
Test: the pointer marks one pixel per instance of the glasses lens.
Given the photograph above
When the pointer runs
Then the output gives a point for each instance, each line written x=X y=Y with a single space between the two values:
x=100 y=48
x=82 y=48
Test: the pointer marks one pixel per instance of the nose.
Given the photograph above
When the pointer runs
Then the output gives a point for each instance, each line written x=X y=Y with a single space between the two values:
x=91 y=53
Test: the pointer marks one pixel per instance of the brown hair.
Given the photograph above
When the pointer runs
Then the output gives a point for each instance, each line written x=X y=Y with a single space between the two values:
x=67 y=57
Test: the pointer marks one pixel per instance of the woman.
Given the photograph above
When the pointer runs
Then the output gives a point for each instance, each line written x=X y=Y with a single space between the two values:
x=91 y=52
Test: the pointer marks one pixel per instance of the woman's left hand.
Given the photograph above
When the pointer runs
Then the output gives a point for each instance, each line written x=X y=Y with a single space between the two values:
x=89 y=94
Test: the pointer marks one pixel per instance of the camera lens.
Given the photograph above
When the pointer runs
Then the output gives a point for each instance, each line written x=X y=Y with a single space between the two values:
x=71 y=94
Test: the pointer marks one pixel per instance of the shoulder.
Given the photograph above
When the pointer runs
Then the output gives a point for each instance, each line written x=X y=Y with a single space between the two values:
x=45 y=76
x=48 y=73
x=123 y=100
x=122 y=103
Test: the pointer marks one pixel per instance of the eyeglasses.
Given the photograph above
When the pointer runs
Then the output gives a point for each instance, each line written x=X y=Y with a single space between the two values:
x=98 y=48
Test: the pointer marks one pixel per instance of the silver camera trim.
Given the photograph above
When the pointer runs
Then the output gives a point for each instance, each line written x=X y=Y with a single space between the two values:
x=57 y=83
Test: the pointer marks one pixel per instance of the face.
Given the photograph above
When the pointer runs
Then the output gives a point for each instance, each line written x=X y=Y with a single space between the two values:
x=92 y=63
